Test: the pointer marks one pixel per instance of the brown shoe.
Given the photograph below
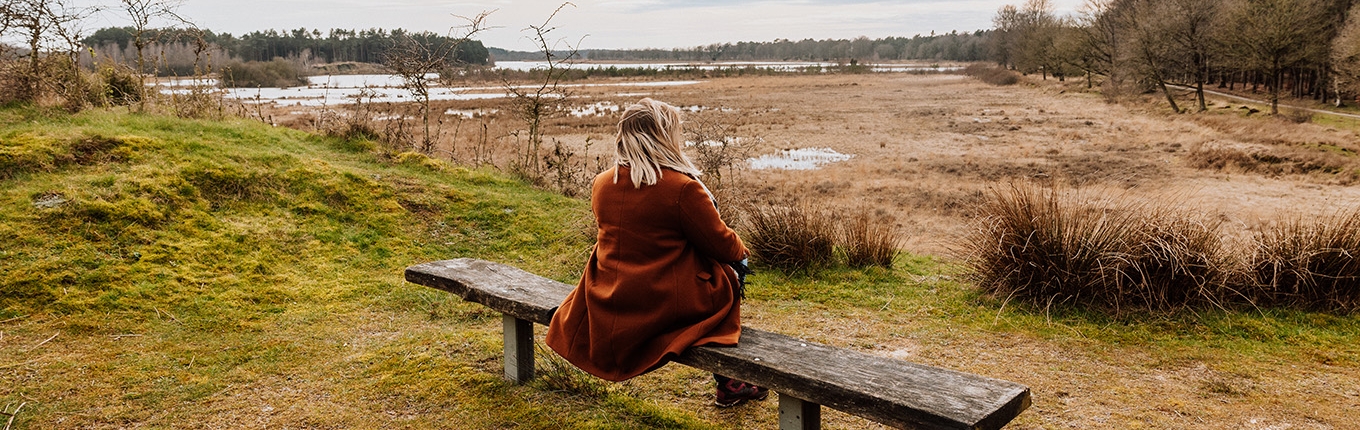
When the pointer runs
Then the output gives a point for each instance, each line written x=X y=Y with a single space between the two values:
x=735 y=392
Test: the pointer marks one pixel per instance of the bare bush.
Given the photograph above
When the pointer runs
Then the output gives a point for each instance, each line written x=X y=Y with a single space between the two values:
x=716 y=146
x=1309 y=263
x=418 y=58
x=868 y=240
x=1044 y=247
x=790 y=237
x=121 y=86
x=992 y=75
x=537 y=101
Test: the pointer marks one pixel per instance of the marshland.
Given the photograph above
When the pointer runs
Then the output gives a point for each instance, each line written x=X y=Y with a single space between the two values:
x=179 y=254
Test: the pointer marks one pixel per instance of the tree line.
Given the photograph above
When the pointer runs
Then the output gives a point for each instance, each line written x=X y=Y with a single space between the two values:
x=336 y=45
x=1298 y=48
x=952 y=46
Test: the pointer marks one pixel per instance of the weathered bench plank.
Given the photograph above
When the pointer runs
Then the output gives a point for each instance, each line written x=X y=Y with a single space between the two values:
x=894 y=392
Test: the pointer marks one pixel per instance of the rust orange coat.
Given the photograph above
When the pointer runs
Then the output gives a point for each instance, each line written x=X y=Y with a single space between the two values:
x=656 y=282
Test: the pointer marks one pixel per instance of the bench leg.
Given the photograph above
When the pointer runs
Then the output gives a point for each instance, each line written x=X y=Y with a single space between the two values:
x=797 y=414
x=519 y=349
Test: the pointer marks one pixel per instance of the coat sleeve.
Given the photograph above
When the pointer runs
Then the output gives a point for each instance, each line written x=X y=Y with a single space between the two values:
x=705 y=229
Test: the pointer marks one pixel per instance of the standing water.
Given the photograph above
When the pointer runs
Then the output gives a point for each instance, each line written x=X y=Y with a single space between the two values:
x=798 y=159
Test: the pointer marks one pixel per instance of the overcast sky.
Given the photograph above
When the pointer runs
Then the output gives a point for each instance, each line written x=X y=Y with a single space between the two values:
x=610 y=23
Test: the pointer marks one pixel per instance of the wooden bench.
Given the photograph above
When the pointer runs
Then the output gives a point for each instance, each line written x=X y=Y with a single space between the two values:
x=805 y=374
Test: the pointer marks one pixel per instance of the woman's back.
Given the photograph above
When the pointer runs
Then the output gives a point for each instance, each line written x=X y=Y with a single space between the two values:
x=656 y=282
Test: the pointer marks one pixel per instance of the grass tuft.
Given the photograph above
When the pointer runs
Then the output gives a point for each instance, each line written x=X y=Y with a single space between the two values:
x=866 y=240
x=1309 y=263
x=790 y=237
x=556 y=374
x=1044 y=247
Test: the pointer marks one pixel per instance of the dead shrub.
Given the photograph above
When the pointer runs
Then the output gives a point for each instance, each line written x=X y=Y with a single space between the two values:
x=119 y=85
x=198 y=102
x=992 y=75
x=1309 y=263
x=1044 y=247
x=866 y=240
x=1337 y=163
x=790 y=237
x=716 y=146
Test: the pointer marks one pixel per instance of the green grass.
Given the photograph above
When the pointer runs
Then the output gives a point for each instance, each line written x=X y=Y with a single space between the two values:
x=198 y=272
x=934 y=297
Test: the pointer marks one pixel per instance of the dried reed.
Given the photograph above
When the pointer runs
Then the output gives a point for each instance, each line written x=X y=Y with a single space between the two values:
x=867 y=241
x=1045 y=247
x=1309 y=264
x=791 y=237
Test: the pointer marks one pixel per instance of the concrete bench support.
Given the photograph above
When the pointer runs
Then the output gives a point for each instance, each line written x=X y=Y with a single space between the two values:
x=519 y=349
x=796 y=414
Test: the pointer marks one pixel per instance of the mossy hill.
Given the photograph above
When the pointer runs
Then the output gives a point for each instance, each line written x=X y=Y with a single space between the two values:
x=164 y=272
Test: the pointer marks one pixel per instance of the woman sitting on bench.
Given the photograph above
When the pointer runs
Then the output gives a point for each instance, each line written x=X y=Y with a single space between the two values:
x=658 y=280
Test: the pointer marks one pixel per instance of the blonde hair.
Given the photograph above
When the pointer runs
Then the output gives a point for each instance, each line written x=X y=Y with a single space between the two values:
x=649 y=139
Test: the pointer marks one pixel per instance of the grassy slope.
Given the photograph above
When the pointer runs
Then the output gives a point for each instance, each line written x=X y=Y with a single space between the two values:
x=233 y=274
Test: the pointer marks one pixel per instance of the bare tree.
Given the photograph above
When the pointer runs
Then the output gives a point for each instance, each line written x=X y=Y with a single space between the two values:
x=142 y=13
x=418 y=62
x=1272 y=36
x=1038 y=28
x=1005 y=35
x=44 y=25
x=536 y=101
x=1191 y=27
x=1097 y=41
x=1345 y=56
x=1152 y=49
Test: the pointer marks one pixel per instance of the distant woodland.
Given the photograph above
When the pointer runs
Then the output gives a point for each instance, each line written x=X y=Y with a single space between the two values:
x=179 y=48
x=1299 y=48
x=943 y=47
x=311 y=46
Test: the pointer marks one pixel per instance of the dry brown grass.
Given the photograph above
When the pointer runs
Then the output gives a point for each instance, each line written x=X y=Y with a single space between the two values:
x=867 y=238
x=1326 y=162
x=1045 y=247
x=792 y=237
x=1309 y=262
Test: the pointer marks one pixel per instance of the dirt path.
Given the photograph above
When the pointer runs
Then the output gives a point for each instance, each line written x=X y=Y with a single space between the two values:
x=1265 y=102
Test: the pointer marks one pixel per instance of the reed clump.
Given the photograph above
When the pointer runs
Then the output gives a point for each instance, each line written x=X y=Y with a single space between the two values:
x=790 y=237
x=1308 y=263
x=805 y=236
x=1045 y=247
x=867 y=240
